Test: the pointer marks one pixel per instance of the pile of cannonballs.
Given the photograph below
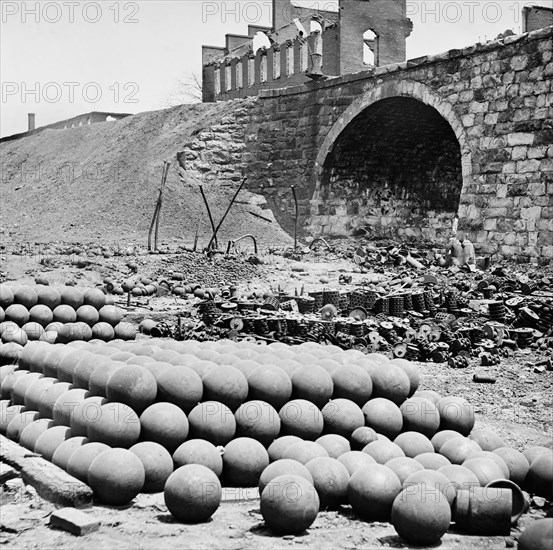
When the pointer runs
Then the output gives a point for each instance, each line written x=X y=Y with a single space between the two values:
x=59 y=314
x=312 y=426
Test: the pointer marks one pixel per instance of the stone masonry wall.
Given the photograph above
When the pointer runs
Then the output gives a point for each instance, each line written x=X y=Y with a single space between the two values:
x=497 y=98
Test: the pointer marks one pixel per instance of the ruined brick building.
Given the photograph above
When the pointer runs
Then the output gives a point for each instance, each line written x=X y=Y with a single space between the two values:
x=394 y=149
x=305 y=43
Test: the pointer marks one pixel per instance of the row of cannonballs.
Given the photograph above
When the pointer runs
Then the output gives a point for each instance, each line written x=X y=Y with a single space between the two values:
x=183 y=417
x=59 y=314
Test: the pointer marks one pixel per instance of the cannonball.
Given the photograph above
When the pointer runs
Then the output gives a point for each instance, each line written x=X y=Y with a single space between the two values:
x=199 y=451
x=212 y=421
x=434 y=481
x=72 y=296
x=431 y=395
x=116 y=476
x=414 y=443
x=442 y=436
x=133 y=385
x=372 y=491
x=353 y=383
x=157 y=463
x=418 y=519
x=492 y=456
x=540 y=476
x=281 y=467
x=279 y=446
x=301 y=418
x=7 y=413
x=289 y=504
x=420 y=415
x=49 y=396
x=342 y=416
x=330 y=479
x=49 y=297
x=383 y=416
x=457 y=450
x=533 y=452
x=244 y=459
x=487 y=439
x=403 y=467
x=181 y=386
x=66 y=403
x=117 y=425
x=30 y=433
x=88 y=314
x=462 y=478
x=26 y=296
x=382 y=451
x=65 y=450
x=94 y=297
x=48 y=442
x=304 y=451
x=353 y=460
x=85 y=413
x=64 y=314
x=312 y=383
x=432 y=461
x=225 y=384
x=257 y=420
x=456 y=414
x=165 y=424
x=516 y=462
x=537 y=536
x=485 y=469
x=6 y=296
x=335 y=445
x=41 y=314
x=411 y=371
x=100 y=376
x=111 y=315
x=390 y=382
x=103 y=331
x=361 y=437
x=192 y=493
x=125 y=331
x=268 y=383
x=81 y=459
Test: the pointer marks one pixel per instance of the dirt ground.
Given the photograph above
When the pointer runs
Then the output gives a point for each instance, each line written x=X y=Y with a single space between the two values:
x=519 y=407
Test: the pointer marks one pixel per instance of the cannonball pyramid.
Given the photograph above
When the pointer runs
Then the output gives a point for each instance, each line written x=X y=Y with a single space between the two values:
x=337 y=427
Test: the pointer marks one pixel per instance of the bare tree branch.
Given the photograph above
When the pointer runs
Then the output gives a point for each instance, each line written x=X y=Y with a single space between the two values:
x=188 y=89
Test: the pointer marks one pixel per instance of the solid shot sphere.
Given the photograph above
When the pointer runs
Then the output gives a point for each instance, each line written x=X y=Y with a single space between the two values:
x=193 y=493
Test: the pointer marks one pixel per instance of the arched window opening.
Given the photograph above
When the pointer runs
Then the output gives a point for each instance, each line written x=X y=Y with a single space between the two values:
x=260 y=40
x=316 y=26
x=370 y=48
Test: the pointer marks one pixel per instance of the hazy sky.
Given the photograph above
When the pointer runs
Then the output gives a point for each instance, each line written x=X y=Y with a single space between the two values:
x=62 y=58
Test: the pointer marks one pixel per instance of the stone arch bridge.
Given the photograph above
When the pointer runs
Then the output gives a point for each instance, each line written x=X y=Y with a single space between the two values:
x=407 y=150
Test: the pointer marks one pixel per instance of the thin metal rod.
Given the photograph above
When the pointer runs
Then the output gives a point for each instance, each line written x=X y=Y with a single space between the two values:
x=214 y=236
x=209 y=214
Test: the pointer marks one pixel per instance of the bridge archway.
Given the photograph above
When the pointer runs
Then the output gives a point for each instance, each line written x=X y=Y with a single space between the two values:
x=393 y=165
